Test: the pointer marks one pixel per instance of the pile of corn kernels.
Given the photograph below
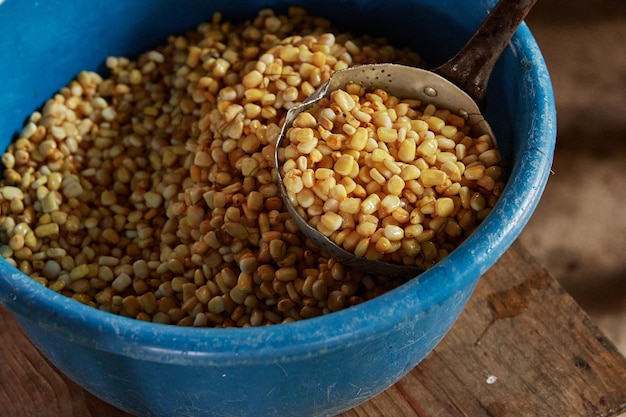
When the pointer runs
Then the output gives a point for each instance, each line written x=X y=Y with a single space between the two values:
x=152 y=193
x=389 y=179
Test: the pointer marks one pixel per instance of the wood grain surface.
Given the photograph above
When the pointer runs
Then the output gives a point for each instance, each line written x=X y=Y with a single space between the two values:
x=522 y=347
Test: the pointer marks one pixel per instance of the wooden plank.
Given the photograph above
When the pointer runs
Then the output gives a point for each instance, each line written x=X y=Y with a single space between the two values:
x=522 y=347
x=32 y=387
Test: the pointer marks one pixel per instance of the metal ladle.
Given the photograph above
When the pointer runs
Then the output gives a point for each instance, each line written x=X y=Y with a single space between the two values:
x=459 y=85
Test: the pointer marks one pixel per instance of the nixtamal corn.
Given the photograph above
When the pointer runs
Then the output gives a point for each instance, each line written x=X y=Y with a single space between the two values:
x=151 y=192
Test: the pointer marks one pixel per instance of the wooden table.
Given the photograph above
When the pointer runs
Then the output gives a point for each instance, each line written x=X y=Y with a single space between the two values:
x=522 y=347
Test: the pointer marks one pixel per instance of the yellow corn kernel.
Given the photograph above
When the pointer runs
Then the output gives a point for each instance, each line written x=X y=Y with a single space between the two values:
x=354 y=88
x=366 y=229
x=254 y=94
x=348 y=129
x=411 y=247
x=344 y=165
x=449 y=131
x=361 y=247
x=389 y=204
x=323 y=173
x=381 y=119
x=438 y=224
x=395 y=185
x=380 y=155
x=308 y=178
x=432 y=177
x=467 y=220
x=293 y=183
x=443 y=157
x=299 y=135
x=383 y=245
x=428 y=147
x=490 y=157
x=410 y=172
x=407 y=151
x=394 y=233
x=453 y=229
x=444 y=207
x=343 y=100
x=351 y=240
x=392 y=166
x=305 y=198
x=461 y=151
x=331 y=220
x=377 y=176
x=359 y=139
x=413 y=230
x=373 y=188
x=359 y=191
x=452 y=170
x=474 y=172
x=400 y=215
x=453 y=190
x=339 y=192
x=252 y=79
x=351 y=205
x=47 y=230
x=427 y=205
x=435 y=123
x=348 y=183
x=371 y=204
x=419 y=126
x=361 y=116
x=387 y=134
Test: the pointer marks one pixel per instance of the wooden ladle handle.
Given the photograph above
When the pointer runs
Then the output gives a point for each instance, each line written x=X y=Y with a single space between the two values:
x=471 y=67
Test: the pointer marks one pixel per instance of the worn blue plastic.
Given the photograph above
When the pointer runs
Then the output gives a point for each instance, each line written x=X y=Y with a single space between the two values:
x=316 y=367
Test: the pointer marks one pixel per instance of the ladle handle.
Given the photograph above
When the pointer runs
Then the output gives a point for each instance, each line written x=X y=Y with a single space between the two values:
x=471 y=67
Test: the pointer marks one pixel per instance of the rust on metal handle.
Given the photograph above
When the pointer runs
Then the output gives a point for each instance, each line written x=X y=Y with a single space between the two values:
x=471 y=67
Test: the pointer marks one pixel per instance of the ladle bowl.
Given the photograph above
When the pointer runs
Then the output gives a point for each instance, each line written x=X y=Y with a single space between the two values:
x=459 y=86
x=400 y=81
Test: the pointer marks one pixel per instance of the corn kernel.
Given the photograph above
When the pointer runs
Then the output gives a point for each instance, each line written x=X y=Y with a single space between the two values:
x=361 y=247
x=407 y=151
x=344 y=165
x=383 y=245
x=427 y=147
x=345 y=102
x=366 y=228
x=444 y=207
x=387 y=134
x=331 y=220
x=359 y=139
x=432 y=177
x=376 y=176
x=390 y=203
x=474 y=172
x=393 y=232
x=395 y=185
